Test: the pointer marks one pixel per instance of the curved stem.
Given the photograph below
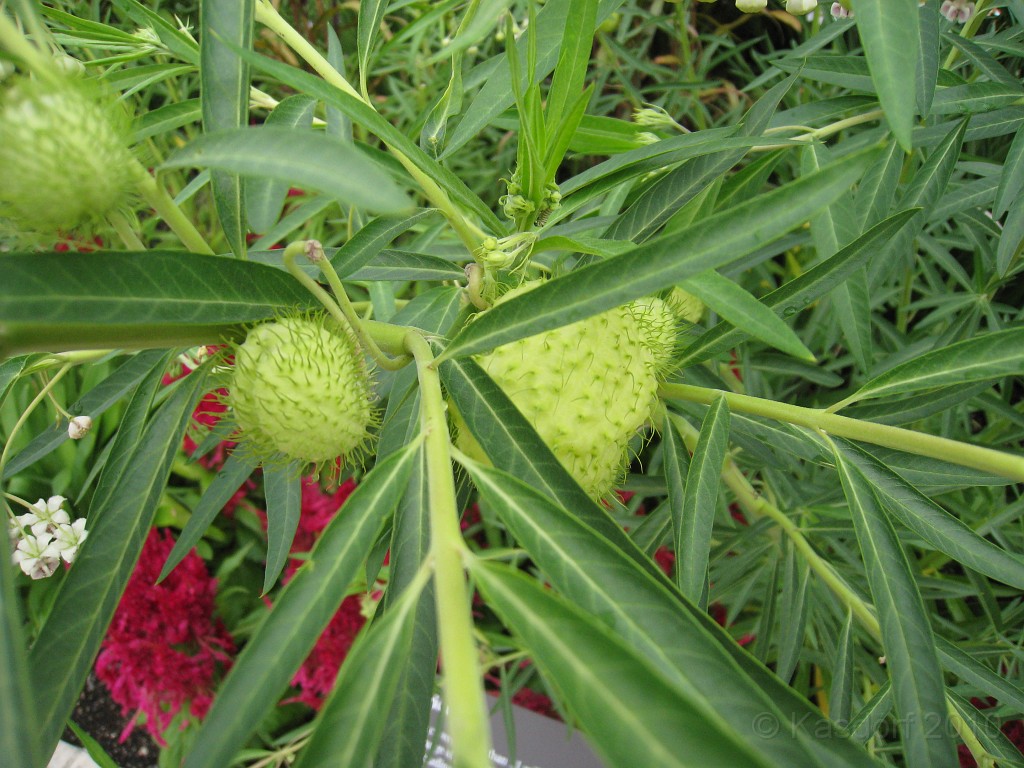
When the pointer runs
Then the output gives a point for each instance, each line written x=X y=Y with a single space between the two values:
x=28 y=412
x=165 y=207
x=953 y=451
x=124 y=230
x=460 y=657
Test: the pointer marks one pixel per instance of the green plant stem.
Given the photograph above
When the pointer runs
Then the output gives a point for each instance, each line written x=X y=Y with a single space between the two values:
x=162 y=203
x=817 y=134
x=966 y=455
x=338 y=305
x=266 y=14
x=40 y=396
x=460 y=663
x=968 y=30
x=124 y=230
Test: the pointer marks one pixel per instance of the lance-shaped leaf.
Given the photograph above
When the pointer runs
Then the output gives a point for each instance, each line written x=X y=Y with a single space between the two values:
x=693 y=539
x=932 y=523
x=224 y=95
x=711 y=243
x=283 y=488
x=918 y=689
x=977 y=359
x=371 y=239
x=618 y=699
x=688 y=648
x=300 y=613
x=351 y=723
x=305 y=159
x=21 y=742
x=119 y=521
x=127 y=299
x=889 y=31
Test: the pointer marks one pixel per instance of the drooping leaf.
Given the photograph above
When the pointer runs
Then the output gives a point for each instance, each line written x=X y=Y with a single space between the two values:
x=300 y=613
x=918 y=689
x=301 y=158
x=224 y=95
x=283 y=489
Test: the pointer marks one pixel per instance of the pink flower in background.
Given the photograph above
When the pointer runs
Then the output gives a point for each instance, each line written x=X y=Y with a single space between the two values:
x=164 y=648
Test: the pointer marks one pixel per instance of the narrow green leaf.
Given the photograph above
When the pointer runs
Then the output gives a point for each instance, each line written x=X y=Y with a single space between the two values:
x=49 y=293
x=93 y=403
x=21 y=742
x=987 y=730
x=976 y=97
x=118 y=523
x=371 y=239
x=1010 y=239
x=978 y=359
x=677 y=466
x=300 y=613
x=617 y=698
x=792 y=614
x=972 y=671
x=352 y=721
x=448 y=104
x=688 y=648
x=10 y=370
x=371 y=14
x=573 y=60
x=265 y=197
x=876 y=192
x=390 y=264
x=743 y=311
x=92 y=747
x=229 y=479
x=928 y=56
x=224 y=94
x=166 y=118
x=797 y=294
x=693 y=541
x=283 y=488
x=873 y=714
x=840 y=694
x=708 y=244
x=177 y=41
x=1011 y=180
x=845 y=71
x=889 y=31
x=512 y=444
x=301 y=158
x=918 y=689
x=932 y=523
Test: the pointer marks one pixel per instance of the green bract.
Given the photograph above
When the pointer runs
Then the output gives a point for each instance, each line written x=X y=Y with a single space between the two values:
x=65 y=155
x=301 y=388
x=588 y=387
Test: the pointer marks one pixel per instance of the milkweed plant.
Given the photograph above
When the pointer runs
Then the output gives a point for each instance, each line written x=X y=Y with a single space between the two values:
x=658 y=361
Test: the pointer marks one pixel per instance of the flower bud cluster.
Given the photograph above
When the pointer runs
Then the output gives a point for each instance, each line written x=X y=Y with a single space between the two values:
x=51 y=537
x=509 y=252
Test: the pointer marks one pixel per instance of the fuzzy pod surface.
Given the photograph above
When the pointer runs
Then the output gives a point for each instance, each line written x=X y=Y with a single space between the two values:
x=301 y=387
x=64 y=151
x=588 y=387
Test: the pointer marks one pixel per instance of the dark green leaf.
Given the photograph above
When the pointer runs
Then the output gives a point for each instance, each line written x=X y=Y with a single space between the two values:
x=283 y=489
x=840 y=695
x=10 y=370
x=166 y=118
x=371 y=239
x=300 y=613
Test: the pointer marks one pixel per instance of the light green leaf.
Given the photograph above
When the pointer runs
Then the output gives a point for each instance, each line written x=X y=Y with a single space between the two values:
x=301 y=158
x=229 y=479
x=617 y=698
x=283 y=489
x=166 y=118
x=918 y=689
x=982 y=358
x=224 y=94
x=10 y=370
x=371 y=14
x=573 y=59
x=352 y=721
x=693 y=540
x=713 y=242
x=301 y=611
x=743 y=311
x=889 y=32
x=118 y=522
x=932 y=523
x=797 y=294
x=264 y=197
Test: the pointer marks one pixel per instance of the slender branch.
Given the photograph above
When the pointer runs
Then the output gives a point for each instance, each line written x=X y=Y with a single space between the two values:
x=165 y=207
x=469 y=726
x=953 y=451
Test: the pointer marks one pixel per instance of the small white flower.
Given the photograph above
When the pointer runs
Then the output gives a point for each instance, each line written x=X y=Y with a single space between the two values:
x=839 y=12
x=957 y=11
x=69 y=538
x=798 y=7
x=751 y=6
x=45 y=516
x=37 y=556
x=79 y=427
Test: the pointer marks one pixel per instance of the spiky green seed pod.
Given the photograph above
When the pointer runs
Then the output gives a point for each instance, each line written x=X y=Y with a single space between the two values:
x=587 y=388
x=64 y=151
x=301 y=388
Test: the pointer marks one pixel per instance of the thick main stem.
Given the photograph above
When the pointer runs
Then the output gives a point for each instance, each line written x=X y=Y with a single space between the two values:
x=953 y=451
x=460 y=664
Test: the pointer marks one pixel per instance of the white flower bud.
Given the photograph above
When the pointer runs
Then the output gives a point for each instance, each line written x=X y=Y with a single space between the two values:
x=79 y=427
x=751 y=6
x=800 y=7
